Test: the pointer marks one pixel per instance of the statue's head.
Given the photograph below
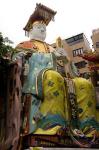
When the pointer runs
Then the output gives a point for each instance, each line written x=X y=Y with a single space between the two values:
x=38 y=31
x=36 y=25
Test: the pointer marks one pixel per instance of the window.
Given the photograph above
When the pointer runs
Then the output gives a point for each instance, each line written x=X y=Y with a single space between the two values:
x=77 y=52
x=80 y=36
x=81 y=64
x=97 y=44
x=70 y=40
x=75 y=39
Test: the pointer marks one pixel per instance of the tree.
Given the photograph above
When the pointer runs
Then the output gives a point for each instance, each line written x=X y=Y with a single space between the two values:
x=4 y=49
x=1 y=40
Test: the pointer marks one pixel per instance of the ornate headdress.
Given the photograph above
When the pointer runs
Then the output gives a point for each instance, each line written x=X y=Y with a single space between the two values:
x=41 y=13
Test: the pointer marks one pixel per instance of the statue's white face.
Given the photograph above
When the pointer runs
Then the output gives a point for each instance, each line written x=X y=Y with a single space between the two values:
x=38 y=32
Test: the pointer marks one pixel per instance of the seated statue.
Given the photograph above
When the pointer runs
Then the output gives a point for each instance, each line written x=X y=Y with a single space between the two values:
x=54 y=96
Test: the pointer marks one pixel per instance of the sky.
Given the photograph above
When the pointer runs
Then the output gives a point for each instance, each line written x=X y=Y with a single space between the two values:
x=73 y=17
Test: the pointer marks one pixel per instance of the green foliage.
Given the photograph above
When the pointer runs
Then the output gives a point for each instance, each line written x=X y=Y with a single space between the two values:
x=1 y=40
x=4 y=49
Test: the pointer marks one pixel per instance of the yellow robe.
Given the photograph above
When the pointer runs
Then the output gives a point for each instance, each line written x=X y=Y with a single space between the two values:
x=85 y=98
x=86 y=101
x=54 y=99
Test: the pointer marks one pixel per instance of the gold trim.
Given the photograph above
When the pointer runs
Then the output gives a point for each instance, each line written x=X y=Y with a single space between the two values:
x=37 y=22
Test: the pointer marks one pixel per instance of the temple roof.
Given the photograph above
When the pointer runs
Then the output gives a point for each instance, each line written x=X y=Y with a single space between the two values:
x=41 y=13
x=93 y=56
x=94 y=67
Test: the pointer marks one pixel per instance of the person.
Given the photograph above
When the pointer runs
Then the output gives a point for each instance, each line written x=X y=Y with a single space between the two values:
x=53 y=93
